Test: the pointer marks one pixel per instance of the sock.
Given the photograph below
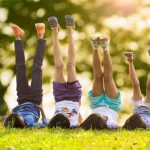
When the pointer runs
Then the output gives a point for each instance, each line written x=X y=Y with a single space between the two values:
x=69 y=109
x=105 y=45
x=95 y=44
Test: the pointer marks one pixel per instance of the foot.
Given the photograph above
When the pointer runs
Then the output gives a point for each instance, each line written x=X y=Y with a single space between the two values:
x=104 y=42
x=18 y=32
x=149 y=51
x=69 y=21
x=128 y=56
x=53 y=22
x=40 y=28
x=95 y=41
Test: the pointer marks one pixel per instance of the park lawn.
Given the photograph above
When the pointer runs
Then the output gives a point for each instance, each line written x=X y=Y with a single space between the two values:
x=60 y=139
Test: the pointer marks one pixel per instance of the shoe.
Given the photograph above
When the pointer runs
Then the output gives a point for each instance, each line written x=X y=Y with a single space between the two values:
x=104 y=41
x=95 y=40
x=70 y=21
x=40 y=28
x=129 y=56
x=53 y=22
x=17 y=30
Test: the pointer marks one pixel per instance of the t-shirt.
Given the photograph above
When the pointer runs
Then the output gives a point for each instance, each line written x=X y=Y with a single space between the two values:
x=110 y=113
x=69 y=109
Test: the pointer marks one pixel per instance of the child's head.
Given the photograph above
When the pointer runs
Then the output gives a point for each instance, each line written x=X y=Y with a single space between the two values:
x=133 y=122
x=59 y=120
x=94 y=121
x=15 y=121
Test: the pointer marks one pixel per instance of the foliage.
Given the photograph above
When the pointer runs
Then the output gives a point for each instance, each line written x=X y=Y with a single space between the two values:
x=127 y=25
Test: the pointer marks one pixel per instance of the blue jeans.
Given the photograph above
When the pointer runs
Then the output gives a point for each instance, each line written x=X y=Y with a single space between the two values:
x=25 y=92
x=29 y=97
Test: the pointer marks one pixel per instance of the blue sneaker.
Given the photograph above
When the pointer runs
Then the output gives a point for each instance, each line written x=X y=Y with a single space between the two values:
x=70 y=21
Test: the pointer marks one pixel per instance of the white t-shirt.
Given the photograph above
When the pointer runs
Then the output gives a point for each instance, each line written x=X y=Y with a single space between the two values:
x=143 y=109
x=69 y=109
x=110 y=113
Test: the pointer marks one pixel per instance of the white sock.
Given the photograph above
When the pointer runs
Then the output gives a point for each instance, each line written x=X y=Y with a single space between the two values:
x=105 y=45
x=69 y=109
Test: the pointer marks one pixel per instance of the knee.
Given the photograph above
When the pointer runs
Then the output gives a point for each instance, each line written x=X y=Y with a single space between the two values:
x=59 y=65
x=70 y=65
x=148 y=86
x=108 y=77
x=136 y=85
x=98 y=77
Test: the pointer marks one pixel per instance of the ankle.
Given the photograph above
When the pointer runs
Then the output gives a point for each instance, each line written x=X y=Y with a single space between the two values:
x=18 y=37
x=95 y=48
x=40 y=36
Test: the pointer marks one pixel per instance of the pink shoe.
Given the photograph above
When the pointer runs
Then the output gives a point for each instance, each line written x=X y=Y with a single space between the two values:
x=40 y=28
x=17 y=30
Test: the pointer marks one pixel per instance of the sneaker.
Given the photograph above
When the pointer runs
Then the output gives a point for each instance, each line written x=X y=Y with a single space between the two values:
x=95 y=40
x=70 y=21
x=128 y=56
x=17 y=30
x=40 y=28
x=53 y=22
x=104 y=41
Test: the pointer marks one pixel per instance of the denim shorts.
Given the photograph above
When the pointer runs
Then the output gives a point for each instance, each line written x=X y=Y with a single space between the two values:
x=105 y=100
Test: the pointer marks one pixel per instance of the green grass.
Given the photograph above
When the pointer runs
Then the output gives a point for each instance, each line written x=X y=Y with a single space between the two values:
x=59 y=139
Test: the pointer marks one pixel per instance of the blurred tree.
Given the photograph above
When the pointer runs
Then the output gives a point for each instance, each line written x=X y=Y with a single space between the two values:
x=126 y=22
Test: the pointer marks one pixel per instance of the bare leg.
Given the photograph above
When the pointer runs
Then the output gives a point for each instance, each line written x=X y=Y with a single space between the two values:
x=148 y=87
x=98 y=84
x=59 y=67
x=133 y=77
x=148 y=90
x=71 y=70
x=110 y=86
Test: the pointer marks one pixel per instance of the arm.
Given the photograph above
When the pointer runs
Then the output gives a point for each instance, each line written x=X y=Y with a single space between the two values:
x=44 y=119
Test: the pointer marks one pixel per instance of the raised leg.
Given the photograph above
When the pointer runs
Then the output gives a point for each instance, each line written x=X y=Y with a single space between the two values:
x=36 y=83
x=110 y=86
x=148 y=90
x=21 y=78
x=137 y=95
x=148 y=86
x=59 y=66
x=71 y=69
x=98 y=84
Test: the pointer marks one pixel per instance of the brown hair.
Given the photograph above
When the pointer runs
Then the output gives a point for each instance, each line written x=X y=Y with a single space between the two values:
x=94 y=121
x=134 y=122
x=14 y=120
x=59 y=120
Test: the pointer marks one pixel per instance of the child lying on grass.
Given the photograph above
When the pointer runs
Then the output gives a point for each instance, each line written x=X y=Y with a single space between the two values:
x=141 y=108
x=105 y=99
x=27 y=113
x=67 y=94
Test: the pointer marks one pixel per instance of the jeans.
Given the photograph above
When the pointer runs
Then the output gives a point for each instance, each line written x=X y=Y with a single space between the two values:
x=25 y=92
